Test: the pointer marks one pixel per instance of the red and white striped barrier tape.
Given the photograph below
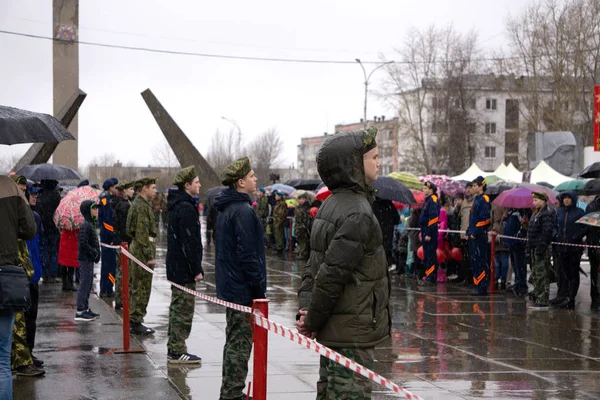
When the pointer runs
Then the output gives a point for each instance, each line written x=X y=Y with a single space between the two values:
x=285 y=332
x=513 y=237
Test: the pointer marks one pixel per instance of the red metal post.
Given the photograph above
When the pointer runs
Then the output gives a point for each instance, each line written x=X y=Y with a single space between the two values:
x=492 y=278
x=261 y=344
x=125 y=296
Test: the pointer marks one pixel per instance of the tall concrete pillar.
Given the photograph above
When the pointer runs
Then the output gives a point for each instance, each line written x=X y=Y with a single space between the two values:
x=65 y=64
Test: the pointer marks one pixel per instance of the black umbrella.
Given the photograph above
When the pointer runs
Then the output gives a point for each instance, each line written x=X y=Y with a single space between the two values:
x=591 y=188
x=304 y=184
x=591 y=171
x=212 y=193
x=21 y=126
x=38 y=172
x=391 y=189
x=495 y=188
x=320 y=186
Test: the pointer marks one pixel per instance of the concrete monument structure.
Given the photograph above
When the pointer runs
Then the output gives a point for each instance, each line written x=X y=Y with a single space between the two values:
x=183 y=148
x=557 y=149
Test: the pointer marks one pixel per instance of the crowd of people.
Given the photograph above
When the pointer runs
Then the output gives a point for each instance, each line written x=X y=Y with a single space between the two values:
x=351 y=242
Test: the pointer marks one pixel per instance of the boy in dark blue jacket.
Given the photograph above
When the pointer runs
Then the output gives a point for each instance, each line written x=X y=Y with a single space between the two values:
x=429 y=222
x=88 y=254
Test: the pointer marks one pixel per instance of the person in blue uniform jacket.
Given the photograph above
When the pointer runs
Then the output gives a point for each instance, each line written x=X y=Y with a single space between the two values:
x=429 y=222
x=479 y=224
x=106 y=220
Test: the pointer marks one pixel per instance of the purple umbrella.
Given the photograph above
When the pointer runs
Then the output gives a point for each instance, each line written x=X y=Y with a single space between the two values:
x=518 y=198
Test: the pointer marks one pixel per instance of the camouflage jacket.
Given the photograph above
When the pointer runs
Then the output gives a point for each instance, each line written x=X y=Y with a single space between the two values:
x=141 y=228
x=263 y=207
x=280 y=213
x=24 y=260
x=303 y=220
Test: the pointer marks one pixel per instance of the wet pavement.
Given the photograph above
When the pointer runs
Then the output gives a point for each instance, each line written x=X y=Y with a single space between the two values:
x=445 y=345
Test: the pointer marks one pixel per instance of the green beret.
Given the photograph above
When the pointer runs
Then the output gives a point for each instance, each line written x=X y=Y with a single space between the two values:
x=185 y=175
x=125 y=185
x=304 y=196
x=369 y=142
x=140 y=183
x=236 y=170
x=19 y=179
x=540 y=195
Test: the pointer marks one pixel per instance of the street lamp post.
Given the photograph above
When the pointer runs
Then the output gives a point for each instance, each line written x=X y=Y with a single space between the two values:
x=239 y=143
x=367 y=78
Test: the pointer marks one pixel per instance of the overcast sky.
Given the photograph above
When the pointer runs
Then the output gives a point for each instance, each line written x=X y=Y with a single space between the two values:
x=299 y=99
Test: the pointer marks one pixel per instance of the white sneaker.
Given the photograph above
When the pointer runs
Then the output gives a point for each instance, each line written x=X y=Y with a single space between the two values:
x=392 y=268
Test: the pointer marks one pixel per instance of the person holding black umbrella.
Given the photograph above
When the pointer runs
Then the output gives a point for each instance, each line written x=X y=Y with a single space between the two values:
x=47 y=203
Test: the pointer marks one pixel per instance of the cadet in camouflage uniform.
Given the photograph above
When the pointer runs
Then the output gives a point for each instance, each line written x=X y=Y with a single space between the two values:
x=539 y=237
x=141 y=227
x=263 y=208
x=302 y=226
x=184 y=262
x=120 y=205
x=279 y=221
x=240 y=271
x=20 y=354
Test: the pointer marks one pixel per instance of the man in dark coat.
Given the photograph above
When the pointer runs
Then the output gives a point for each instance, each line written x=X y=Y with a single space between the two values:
x=47 y=203
x=108 y=229
x=388 y=218
x=569 y=257
x=593 y=238
x=184 y=262
x=240 y=270
x=120 y=205
x=344 y=297
x=539 y=237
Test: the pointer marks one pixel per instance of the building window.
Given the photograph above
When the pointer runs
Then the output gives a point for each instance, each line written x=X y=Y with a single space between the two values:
x=490 y=127
x=439 y=127
x=491 y=104
x=391 y=134
x=471 y=127
x=490 y=152
x=437 y=103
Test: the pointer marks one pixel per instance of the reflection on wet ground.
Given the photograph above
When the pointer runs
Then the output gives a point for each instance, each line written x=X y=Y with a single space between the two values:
x=445 y=344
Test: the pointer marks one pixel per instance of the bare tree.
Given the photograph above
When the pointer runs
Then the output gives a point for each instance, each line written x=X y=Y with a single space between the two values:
x=432 y=91
x=224 y=148
x=8 y=162
x=163 y=156
x=554 y=47
x=265 y=151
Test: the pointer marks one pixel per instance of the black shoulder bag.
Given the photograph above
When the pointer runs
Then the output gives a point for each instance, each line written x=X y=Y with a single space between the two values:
x=14 y=289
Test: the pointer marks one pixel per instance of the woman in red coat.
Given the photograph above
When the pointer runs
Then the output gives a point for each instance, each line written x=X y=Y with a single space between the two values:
x=67 y=257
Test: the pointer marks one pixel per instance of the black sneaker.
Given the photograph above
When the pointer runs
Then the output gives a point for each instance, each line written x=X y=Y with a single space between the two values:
x=183 y=358
x=93 y=314
x=84 y=316
x=118 y=306
x=539 y=307
x=30 y=370
x=37 y=362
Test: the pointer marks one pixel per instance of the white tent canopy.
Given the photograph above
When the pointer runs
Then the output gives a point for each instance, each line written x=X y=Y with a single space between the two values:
x=509 y=173
x=545 y=173
x=473 y=172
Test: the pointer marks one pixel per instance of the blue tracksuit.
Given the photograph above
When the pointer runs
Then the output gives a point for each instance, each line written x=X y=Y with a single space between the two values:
x=106 y=221
x=429 y=222
x=479 y=223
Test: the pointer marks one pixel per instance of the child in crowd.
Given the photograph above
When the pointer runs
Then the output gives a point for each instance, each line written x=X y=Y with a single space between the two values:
x=88 y=254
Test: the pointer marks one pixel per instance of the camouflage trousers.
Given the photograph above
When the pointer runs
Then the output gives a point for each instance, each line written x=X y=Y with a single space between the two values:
x=304 y=242
x=236 y=353
x=140 y=288
x=541 y=279
x=336 y=382
x=181 y=314
x=119 y=280
x=279 y=232
x=20 y=355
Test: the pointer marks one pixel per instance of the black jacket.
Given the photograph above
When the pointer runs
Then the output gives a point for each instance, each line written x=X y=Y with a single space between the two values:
x=184 y=243
x=47 y=203
x=566 y=228
x=541 y=230
x=388 y=218
x=89 y=246
x=240 y=263
x=120 y=207
x=16 y=221
x=345 y=284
